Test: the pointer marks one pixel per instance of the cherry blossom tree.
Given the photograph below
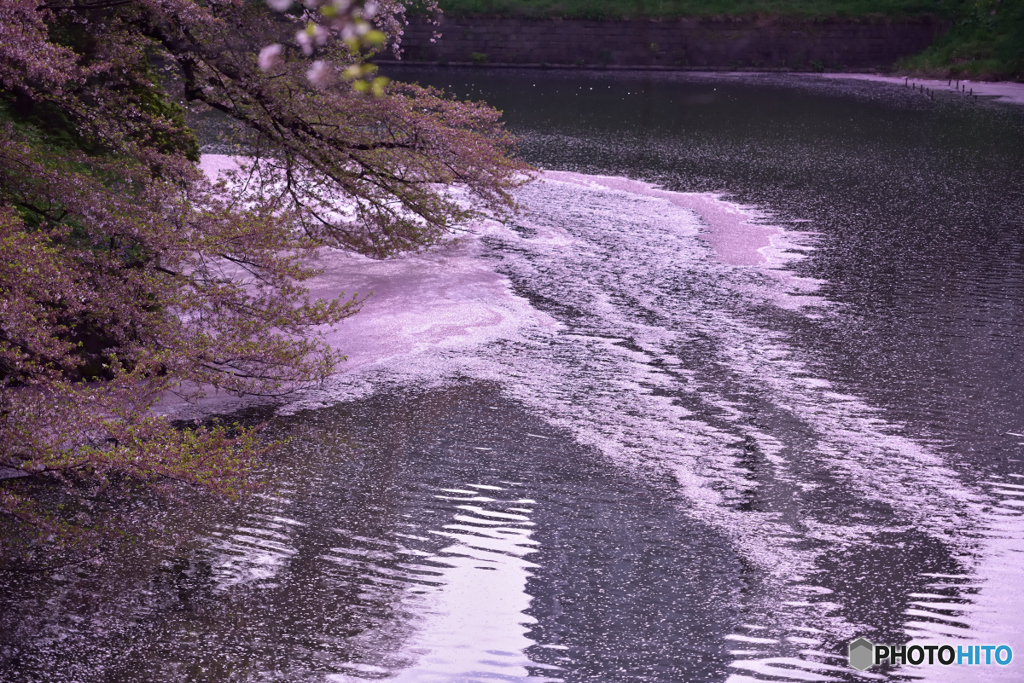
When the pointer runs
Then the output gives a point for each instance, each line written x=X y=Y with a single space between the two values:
x=126 y=273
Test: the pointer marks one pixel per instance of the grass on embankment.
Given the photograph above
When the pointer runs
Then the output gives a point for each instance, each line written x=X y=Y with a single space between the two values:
x=986 y=39
x=618 y=9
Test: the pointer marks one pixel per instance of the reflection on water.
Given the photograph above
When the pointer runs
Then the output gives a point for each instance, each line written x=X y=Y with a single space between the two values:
x=409 y=554
x=474 y=624
x=705 y=431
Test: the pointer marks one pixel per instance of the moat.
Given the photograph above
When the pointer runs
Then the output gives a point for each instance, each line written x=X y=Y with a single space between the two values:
x=742 y=383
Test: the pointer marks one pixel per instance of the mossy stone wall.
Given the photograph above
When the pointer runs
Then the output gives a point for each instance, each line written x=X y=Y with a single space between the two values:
x=678 y=43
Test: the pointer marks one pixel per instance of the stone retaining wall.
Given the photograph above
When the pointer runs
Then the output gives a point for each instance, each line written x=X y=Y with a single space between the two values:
x=678 y=43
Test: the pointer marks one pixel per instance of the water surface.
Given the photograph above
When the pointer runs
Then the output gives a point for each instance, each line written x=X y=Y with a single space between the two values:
x=742 y=384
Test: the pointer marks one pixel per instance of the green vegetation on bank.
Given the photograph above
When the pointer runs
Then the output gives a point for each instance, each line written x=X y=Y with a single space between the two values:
x=617 y=9
x=986 y=39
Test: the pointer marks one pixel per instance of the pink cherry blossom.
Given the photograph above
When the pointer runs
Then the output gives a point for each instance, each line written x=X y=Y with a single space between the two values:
x=126 y=273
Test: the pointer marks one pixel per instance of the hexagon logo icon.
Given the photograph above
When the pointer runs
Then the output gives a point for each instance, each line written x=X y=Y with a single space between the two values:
x=862 y=654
